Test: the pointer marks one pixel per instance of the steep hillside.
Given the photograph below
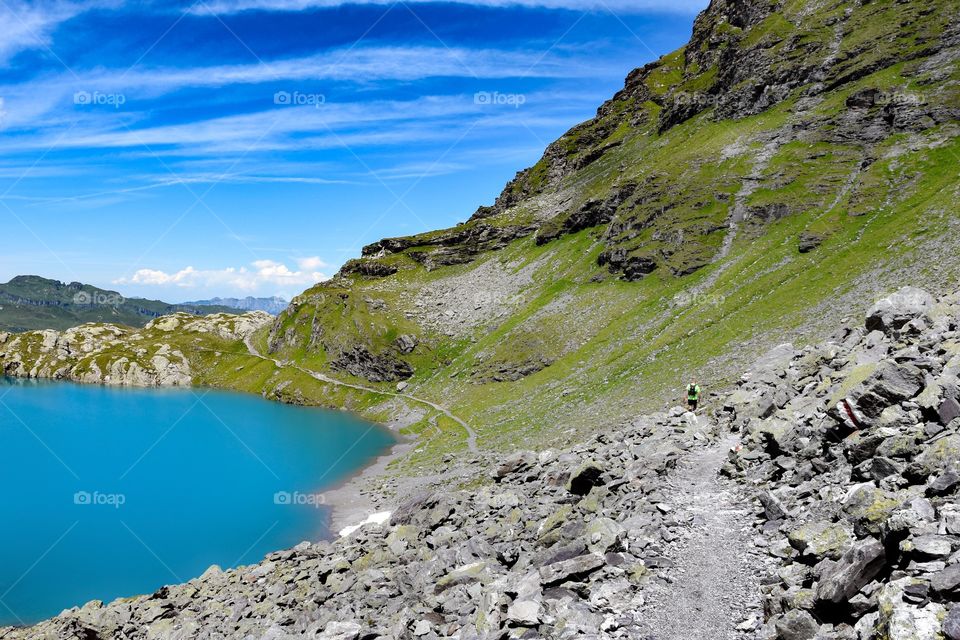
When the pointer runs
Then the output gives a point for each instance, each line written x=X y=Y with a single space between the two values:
x=793 y=162
x=32 y=302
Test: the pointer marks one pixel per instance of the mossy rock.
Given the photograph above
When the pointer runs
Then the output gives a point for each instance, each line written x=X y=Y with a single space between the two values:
x=820 y=540
x=868 y=508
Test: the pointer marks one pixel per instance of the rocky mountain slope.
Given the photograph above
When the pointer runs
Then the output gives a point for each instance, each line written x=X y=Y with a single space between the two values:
x=793 y=162
x=854 y=448
x=30 y=302
x=835 y=518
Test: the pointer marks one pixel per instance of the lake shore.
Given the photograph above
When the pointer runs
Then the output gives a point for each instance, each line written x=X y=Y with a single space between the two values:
x=361 y=495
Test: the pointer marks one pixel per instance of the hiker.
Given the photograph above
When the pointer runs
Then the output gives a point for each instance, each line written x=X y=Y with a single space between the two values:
x=693 y=396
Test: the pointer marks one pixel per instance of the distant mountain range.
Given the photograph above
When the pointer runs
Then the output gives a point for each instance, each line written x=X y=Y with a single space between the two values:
x=273 y=305
x=33 y=302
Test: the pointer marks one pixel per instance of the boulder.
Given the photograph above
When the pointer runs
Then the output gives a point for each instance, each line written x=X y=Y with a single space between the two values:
x=516 y=463
x=797 y=625
x=603 y=535
x=909 y=622
x=892 y=313
x=585 y=477
x=889 y=384
x=406 y=343
x=570 y=569
x=468 y=574
x=524 y=613
x=341 y=630
x=820 y=540
x=773 y=509
x=948 y=411
x=930 y=546
x=944 y=484
x=841 y=580
x=868 y=508
x=946 y=581
x=951 y=625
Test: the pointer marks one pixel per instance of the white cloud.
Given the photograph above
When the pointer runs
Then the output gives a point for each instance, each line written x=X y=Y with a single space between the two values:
x=354 y=124
x=312 y=264
x=260 y=274
x=620 y=6
x=30 y=25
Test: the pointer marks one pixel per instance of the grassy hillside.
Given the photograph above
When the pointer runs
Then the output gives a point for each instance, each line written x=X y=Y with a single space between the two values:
x=31 y=302
x=791 y=164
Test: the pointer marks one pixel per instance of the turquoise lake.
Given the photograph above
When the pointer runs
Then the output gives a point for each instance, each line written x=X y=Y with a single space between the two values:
x=115 y=492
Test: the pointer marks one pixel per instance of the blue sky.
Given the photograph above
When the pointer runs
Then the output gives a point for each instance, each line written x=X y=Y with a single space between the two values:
x=181 y=150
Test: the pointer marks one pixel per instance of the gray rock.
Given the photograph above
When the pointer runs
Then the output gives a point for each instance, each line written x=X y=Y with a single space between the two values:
x=525 y=613
x=585 y=478
x=797 y=625
x=841 y=580
x=341 y=630
x=932 y=546
x=892 y=313
x=516 y=463
x=948 y=411
x=951 y=625
x=772 y=507
x=946 y=581
x=406 y=343
x=570 y=569
x=943 y=484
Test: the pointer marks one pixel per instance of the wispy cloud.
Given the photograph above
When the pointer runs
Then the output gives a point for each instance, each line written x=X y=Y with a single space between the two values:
x=30 y=25
x=254 y=277
x=355 y=124
x=622 y=6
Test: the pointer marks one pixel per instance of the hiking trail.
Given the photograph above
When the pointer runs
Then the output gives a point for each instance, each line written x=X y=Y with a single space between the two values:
x=471 y=434
x=713 y=590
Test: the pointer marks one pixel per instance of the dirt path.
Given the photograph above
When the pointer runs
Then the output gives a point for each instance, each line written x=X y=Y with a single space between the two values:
x=714 y=592
x=471 y=434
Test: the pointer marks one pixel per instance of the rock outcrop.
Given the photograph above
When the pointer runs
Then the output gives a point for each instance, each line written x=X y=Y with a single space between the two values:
x=117 y=355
